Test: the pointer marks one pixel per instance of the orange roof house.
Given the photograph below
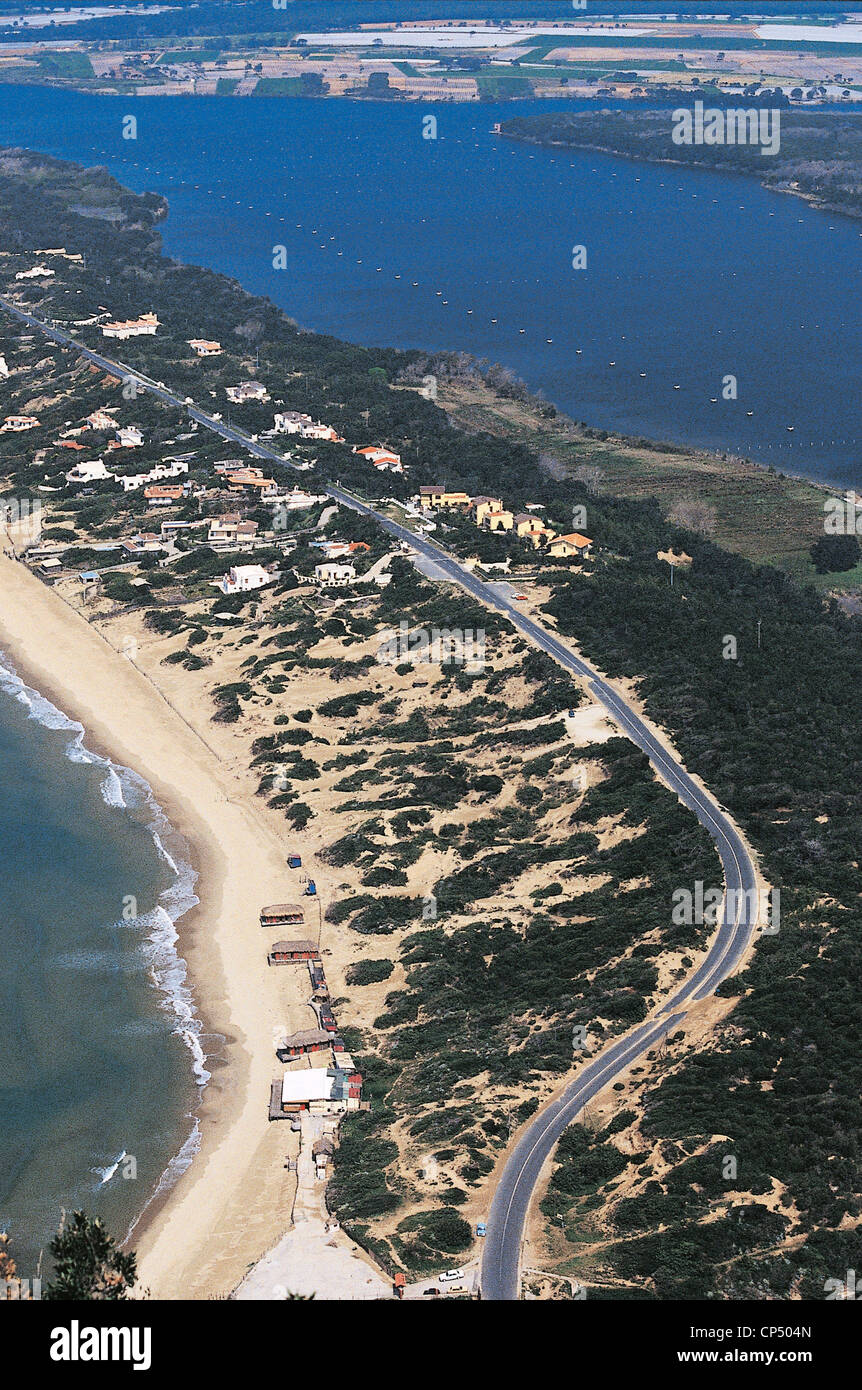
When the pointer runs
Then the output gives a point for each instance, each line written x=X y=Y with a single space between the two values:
x=160 y=496
x=574 y=544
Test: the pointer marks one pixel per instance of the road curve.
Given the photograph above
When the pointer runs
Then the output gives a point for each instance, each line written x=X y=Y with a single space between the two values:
x=508 y=1212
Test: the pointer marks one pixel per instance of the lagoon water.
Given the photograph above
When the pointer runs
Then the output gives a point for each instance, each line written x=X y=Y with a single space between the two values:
x=102 y=1053
x=691 y=276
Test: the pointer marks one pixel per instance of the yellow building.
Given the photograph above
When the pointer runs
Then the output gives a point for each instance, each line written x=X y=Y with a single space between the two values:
x=530 y=528
x=481 y=506
x=439 y=497
x=564 y=547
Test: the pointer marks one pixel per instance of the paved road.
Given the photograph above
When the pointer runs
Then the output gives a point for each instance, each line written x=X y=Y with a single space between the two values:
x=508 y=1213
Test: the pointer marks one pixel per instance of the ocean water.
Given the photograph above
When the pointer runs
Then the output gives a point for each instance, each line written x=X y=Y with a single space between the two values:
x=691 y=276
x=103 y=1054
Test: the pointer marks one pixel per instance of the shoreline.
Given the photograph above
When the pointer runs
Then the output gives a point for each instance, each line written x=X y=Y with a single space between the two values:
x=181 y=998
x=60 y=655
x=637 y=157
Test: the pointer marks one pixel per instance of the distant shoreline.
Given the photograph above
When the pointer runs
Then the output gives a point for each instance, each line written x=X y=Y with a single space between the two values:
x=635 y=138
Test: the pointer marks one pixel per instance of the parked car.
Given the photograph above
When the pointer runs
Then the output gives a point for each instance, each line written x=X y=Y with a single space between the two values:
x=451 y=1276
x=481 y=1228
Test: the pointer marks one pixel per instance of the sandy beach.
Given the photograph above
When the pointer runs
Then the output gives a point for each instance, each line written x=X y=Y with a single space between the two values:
x=235 y=1200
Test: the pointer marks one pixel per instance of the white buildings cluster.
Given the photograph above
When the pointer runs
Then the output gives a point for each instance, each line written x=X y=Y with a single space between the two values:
x=143 y=326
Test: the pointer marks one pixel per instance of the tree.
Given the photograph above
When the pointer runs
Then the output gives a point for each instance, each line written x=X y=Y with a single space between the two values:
x=378 y=82
x=88 y=1264
x=833 y=553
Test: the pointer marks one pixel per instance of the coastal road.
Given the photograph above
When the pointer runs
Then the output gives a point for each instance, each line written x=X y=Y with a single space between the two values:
x=508 y=1212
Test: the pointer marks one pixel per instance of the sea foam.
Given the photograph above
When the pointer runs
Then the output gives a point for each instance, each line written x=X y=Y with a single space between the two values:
x=124 y=789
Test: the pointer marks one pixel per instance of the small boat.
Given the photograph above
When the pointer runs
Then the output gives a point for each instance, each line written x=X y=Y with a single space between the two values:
x=643 y=373
x=791 y=428
x=749 y=413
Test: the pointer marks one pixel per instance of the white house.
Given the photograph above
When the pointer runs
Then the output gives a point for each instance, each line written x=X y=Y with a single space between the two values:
x=143 y=326
x=130 y=482
x=129 y=437
x=204 y=347
x=384 y=459
x=318 y=431
x=101 y=420
x=38 y=271
x=321 y=1090
x=17 y=423
x=297 y=500
x=241 y=579
x=93 y=471
x=291 y=422
x=247 y=391
x=333 y=576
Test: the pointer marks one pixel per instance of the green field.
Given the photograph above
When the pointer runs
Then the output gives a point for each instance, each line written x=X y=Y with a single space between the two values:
x=54 y=64
x=588 y=65
x=190 y=55
x=226 y=86
x=280 y=87
x=503 y=84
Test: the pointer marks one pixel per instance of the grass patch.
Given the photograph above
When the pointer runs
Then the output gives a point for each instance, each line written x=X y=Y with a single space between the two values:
x=503 y=84
x=280 y=87
x=55 y=64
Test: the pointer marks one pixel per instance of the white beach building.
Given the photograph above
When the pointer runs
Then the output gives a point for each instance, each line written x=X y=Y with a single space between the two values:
x=242 y=579
x=333 y=576
x=92 y=471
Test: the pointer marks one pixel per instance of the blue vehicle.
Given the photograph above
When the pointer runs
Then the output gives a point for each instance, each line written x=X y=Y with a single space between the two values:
x=481 y=1228
x=311 y=890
